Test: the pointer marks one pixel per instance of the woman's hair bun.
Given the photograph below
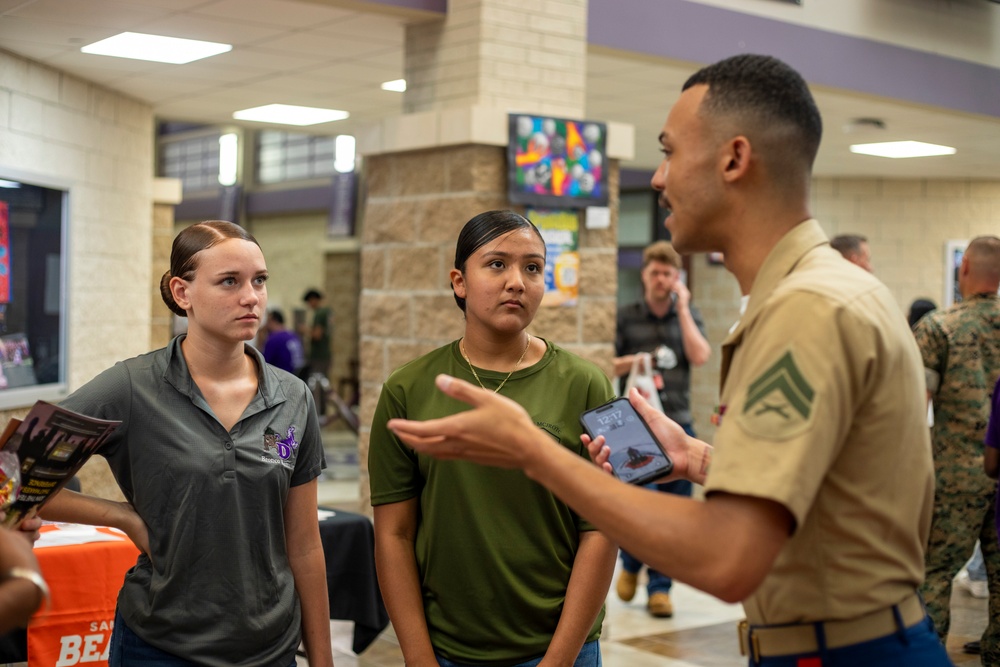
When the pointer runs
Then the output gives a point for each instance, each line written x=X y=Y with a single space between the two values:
x=167 y=297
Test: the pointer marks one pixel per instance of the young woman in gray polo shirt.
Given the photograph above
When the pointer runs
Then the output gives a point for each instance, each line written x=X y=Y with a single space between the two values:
x=217 y=457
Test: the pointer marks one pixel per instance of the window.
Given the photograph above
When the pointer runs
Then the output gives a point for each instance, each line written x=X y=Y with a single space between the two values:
x=290 y=156
x=194 y=160
x=32 y=323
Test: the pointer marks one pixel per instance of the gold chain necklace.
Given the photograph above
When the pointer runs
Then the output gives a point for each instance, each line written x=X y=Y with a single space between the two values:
x=461 y=346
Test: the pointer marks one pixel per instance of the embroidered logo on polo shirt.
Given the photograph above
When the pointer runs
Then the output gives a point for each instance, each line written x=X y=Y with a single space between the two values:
x=779 y=402
x=552 y=429
x=283 y=447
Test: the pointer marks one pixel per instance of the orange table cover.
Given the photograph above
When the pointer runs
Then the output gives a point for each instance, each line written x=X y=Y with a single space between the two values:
x=84 y=579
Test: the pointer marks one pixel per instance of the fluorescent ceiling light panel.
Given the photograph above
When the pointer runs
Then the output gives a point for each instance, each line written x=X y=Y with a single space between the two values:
x=9 y=184
x=902 y=149
x=396 y=86
x=286 y=114
x=157 y=48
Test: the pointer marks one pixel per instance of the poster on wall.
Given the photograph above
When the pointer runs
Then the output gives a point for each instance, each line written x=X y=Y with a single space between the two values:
x=560 y=230
x=4 y=253
x=953 y=251
x=952 y=261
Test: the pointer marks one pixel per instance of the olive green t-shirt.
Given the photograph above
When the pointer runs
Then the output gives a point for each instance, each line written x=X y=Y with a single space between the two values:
x=494 y=549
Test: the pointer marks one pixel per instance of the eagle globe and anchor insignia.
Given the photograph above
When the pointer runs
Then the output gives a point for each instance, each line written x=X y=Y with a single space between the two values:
x=779 y=402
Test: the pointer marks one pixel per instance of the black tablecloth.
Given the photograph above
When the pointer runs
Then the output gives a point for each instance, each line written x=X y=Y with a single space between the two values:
x=349 y=548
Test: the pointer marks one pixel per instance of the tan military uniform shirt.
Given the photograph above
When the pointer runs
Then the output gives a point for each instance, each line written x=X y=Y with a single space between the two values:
x=825 y=413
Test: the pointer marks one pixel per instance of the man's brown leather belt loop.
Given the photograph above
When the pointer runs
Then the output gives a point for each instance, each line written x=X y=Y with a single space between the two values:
x=763 y=641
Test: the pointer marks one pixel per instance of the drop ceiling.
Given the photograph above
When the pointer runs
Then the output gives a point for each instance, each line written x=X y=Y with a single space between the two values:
x=311 y=54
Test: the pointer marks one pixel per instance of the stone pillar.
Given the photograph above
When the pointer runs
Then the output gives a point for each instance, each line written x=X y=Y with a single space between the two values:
x=431 y=170
x=166 y=195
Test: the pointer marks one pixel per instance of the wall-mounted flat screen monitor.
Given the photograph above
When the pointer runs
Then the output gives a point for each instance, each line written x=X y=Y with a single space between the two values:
x=557 y=162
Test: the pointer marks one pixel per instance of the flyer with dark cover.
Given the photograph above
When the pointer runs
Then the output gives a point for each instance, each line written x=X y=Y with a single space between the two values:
x=51 y=444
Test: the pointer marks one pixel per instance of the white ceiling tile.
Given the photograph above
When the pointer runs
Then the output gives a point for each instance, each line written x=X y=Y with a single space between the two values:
x=65 y=35
x=385 y=29
x=312 y=53
x=321 y=45
x=108 y=14
x=172 y=5
x=356 y=72
x=99 y=68
x=227 y=31
x=275 y=12
x=34 y=50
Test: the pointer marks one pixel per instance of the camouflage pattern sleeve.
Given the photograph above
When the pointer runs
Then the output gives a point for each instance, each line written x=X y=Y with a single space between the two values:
x=933 y=344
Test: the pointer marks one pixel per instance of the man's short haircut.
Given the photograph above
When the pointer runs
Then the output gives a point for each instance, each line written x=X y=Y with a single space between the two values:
x=277 y=316
x=311 y=294
x=661 y=251
x=984 y=257
x=848 y=244
x=766 y=96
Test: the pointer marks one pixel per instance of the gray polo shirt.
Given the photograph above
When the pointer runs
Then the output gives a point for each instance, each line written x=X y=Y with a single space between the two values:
x=219 y=589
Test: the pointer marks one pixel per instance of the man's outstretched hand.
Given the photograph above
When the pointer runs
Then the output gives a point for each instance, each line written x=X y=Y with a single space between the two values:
x=496 y=432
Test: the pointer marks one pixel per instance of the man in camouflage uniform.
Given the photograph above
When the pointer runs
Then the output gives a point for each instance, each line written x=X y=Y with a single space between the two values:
x=960 y=347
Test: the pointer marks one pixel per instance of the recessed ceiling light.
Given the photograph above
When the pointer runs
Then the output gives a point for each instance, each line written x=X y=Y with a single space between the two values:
x=157 y=48
x=9 y=184
x=396 y=86
x=287 y=114
x=902 y=149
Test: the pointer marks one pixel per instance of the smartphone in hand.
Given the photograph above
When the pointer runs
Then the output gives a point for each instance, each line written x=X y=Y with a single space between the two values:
x=636 y=456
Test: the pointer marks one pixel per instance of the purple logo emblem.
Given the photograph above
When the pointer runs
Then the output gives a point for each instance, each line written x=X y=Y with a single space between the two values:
x=284 y=447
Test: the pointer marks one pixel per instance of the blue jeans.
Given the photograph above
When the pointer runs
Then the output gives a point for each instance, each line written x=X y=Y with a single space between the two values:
x=976 y=565
x=659 y=582
x=128 y=650
x=918 y=646
x=589 y=656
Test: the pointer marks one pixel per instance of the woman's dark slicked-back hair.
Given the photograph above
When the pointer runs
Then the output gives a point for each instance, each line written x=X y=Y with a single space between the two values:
x=481 y=230
x=186 y=247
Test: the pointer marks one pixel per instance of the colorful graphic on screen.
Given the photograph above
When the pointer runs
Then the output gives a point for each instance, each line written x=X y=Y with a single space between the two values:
x=557 y=162
x=4 y=254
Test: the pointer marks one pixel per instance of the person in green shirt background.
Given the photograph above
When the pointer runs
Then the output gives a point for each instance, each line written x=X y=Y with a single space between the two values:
x=317 y=334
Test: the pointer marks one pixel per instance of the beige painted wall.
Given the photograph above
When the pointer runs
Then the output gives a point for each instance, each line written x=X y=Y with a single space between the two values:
x=99 y=143
x=907 y=222
x=293 y=248
x=299 y=257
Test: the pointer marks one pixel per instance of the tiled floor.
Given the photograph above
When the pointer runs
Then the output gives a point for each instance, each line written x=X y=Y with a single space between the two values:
x=701 y=633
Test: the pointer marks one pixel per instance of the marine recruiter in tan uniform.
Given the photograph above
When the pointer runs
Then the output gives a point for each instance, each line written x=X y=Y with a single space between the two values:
x=822 y=412
x=818 y=501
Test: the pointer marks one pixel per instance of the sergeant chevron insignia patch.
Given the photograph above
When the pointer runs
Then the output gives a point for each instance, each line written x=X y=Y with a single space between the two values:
x=779 y=402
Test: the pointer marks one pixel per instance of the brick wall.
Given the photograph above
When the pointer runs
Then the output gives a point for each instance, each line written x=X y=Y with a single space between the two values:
x=523 y=55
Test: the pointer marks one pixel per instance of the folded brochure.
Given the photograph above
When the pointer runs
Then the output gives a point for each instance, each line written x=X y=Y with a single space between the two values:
x=51 y=444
